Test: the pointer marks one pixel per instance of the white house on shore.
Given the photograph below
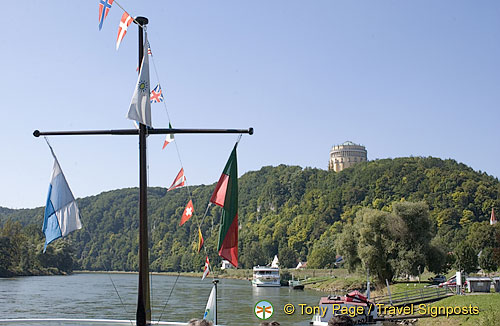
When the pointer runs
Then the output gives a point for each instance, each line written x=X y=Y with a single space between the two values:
x=226 y=265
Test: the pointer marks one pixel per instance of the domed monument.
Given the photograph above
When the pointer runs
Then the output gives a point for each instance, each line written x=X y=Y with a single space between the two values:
x=346 y=155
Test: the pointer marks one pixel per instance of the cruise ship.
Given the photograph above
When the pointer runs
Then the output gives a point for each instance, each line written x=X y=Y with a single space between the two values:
x=265 y=276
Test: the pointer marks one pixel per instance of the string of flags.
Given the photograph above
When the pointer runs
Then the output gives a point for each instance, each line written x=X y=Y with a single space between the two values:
x=225 y=194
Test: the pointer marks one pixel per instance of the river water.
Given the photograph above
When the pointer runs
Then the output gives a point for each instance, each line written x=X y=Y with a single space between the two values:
x=93 y=295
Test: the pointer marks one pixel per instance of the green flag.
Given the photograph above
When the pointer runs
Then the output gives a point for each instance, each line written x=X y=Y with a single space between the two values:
x=226 y=196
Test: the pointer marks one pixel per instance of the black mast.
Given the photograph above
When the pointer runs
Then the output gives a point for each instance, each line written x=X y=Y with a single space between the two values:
x=143 y=315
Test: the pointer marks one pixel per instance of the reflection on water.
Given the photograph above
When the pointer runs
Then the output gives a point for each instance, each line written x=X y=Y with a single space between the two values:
x=93 y=296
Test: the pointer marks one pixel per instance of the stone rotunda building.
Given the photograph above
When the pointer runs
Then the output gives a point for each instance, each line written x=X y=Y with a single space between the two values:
x=346 y=155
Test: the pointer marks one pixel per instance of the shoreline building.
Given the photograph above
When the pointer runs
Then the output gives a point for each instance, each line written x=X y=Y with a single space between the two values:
x=346 y=155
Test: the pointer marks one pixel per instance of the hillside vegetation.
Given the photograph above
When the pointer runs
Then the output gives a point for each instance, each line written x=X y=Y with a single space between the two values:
x=297 y=213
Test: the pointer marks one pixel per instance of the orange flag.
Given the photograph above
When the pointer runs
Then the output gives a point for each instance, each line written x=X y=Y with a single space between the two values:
x=188 y=212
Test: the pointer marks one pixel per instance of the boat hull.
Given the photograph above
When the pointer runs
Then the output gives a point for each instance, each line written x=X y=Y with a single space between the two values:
x=266 y=284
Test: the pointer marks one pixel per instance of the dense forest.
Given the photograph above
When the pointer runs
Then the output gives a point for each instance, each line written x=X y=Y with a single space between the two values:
x=300 y=214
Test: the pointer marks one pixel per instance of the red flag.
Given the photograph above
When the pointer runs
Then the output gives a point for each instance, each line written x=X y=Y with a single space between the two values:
x=226 y=195
x=122 y=28
x=188 y=212
x=493 y=219
x=200 y=240
x=206 y=271
x=220 y=191
x=180 y=180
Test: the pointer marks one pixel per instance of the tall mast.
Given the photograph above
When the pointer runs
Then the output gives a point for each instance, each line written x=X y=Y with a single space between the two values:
x=143 y=316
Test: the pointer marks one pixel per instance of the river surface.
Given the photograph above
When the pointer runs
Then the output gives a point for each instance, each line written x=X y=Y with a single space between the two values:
x=93 y=295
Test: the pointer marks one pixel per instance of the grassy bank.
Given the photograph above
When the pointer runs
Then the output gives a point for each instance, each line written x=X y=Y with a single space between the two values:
x=489 y=311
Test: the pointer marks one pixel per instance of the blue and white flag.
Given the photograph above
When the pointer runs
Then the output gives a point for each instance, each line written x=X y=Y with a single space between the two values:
x=61 y=212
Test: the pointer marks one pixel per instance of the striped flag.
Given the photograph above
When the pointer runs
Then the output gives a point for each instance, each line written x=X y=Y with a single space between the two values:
x=62 y=215
x=188 y=213
x=122 y=28
x=206 y=271
x=169 y=138
x=104 y=6
x=180 y=180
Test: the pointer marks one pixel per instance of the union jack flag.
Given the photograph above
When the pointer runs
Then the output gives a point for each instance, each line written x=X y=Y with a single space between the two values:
x=156 y=95
x=104 y=6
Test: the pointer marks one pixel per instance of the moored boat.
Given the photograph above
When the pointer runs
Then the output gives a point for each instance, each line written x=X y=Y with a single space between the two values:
x=296 y=284
x=353 y=305
x=264 y=276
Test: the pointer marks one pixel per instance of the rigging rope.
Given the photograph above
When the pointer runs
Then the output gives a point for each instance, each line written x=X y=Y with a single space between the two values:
x=168 y=298
x=118 y=294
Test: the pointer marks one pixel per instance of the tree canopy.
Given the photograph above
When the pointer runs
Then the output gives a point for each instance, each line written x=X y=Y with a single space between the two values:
x=297 y=213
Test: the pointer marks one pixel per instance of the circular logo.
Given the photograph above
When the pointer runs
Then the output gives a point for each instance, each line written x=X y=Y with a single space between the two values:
x=263 y=310
x=142 y=86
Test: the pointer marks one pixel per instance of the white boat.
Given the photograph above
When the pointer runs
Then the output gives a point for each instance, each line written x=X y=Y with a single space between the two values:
x=264 y=276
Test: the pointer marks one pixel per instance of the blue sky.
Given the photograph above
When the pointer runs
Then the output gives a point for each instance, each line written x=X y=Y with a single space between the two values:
x=403 y=78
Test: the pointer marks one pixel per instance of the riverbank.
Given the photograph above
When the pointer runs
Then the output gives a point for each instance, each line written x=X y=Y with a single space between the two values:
x=240 y=274
x=488 y=315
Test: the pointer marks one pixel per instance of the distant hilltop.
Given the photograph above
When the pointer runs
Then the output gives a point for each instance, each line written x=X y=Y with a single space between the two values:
x=346 y=155
x=289 y=211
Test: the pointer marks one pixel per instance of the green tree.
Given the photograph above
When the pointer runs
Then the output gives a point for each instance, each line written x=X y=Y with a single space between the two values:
x=412 y=229
x=481 y=235
x=6 y=252
x=487 y=261
x=287 y=257
x=346 y=245
x=376 y=243
x=466 y=257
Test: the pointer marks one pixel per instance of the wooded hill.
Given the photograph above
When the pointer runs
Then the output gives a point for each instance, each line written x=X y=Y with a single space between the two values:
x=284 y=210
